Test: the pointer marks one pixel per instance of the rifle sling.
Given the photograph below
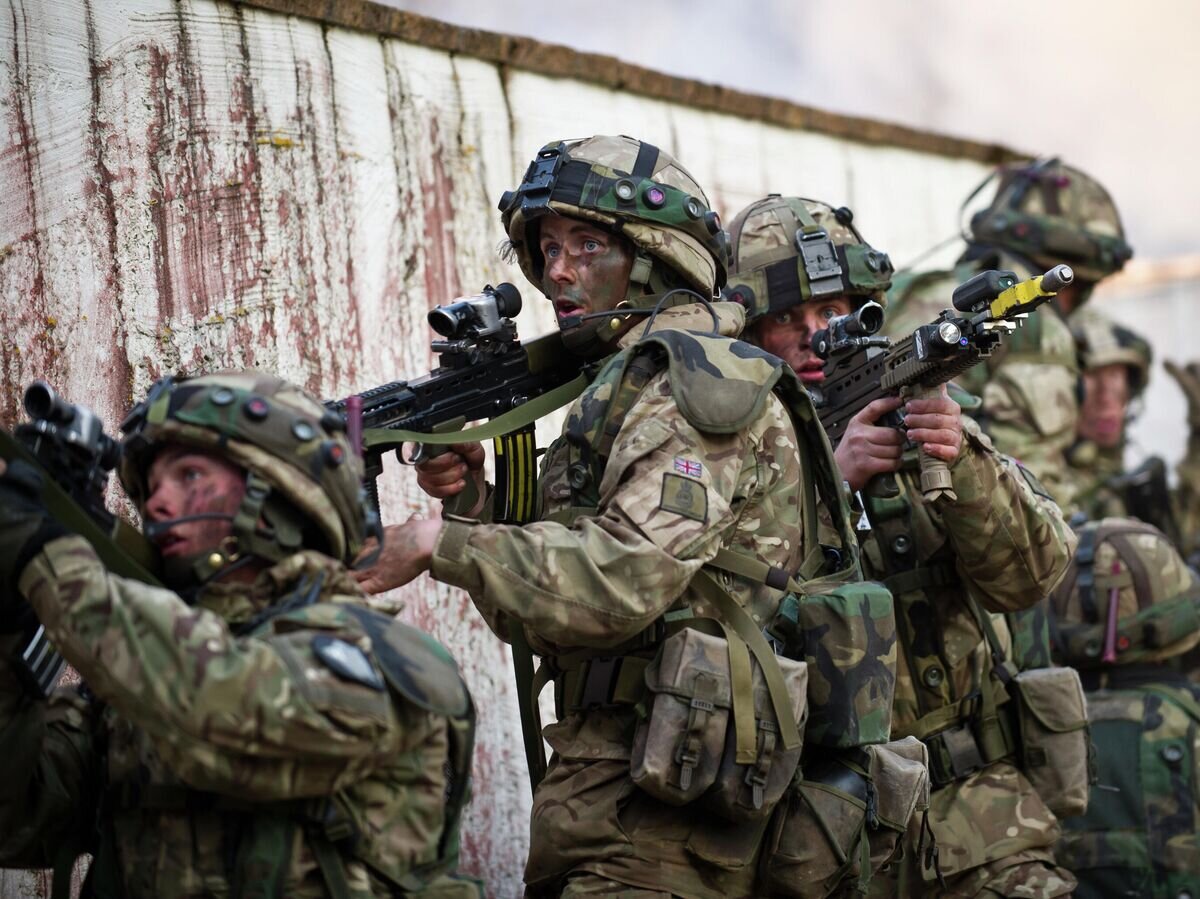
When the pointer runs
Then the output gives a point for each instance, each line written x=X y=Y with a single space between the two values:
x=384 y=439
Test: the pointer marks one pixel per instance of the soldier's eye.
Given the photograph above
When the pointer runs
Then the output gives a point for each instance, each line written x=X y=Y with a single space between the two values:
x=550 y=251
x=829 y=312
x=591 y=245
x=783 y=318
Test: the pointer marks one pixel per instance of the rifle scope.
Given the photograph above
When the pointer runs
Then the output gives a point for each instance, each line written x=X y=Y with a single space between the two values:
x=481 y=315
x=862 y=322
x=75 y=426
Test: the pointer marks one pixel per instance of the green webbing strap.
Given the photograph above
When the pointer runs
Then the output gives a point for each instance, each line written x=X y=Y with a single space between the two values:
x=1004 y=669
x=933 y=576
x=525 y=414
x=741 y=695
x=333 y=870
x=743 y=625
x=528 y=689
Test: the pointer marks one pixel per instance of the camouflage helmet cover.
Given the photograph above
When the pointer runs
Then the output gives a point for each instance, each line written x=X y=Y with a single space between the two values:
x=269 y=427
x=788 y=250
x=1100 y=342
x=630 y=187
x=1157 y=597
x=1052 y=213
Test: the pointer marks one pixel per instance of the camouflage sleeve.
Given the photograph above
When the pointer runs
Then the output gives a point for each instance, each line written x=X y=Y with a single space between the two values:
x=1187 y=499
x=664 y=505
x=1011 y=543
x=260 y=717
x=1030 y=403
x=47 y=794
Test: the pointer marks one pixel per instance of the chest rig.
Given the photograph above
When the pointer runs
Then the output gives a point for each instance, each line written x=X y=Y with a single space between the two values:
x=416 y=670
x=964 y=733
x=713 y=401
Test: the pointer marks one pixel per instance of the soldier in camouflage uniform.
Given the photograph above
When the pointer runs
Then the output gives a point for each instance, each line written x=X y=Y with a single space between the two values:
x=678 y=451
x=1116 y=367
x=1043 y=213
x=1187 y=494
x=997 y=547
x=1126 y=616
x=255 y=729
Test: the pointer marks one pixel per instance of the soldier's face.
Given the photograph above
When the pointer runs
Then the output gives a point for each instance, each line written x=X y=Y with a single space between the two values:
x=586 y=267
x=788 y=334
x=185 y=481
x=1105 y=404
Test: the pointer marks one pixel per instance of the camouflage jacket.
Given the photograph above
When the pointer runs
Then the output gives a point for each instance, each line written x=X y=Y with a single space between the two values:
x=1141 y=834
x=1007 y=546
x=670 y=496
x=1027 y=386
x=187 y=738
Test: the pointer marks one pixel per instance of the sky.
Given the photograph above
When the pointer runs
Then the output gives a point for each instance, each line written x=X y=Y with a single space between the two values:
x=1112 y=88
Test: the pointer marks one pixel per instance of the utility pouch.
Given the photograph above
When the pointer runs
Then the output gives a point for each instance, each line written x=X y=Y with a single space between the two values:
x=745 y=791
x=1056 y=748
x=677 y=748
x=847 y=634
x=844 y=820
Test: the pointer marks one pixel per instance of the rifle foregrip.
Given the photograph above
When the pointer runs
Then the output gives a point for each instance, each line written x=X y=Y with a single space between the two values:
x=935 y=479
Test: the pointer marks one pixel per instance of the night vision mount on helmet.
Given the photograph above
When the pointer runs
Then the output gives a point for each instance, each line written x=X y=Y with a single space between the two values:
x=789 y=250
x=1049 y=213
x=633 y=188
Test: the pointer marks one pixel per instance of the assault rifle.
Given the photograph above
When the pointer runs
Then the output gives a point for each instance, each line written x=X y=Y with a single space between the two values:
x=861 y=367
x=484 y=372
x=68 y=445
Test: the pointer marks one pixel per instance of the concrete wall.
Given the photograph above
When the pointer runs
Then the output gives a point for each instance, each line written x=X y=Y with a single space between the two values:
x=191 y=185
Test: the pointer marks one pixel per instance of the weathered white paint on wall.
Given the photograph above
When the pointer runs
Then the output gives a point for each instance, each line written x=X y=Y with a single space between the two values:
x=192 y=185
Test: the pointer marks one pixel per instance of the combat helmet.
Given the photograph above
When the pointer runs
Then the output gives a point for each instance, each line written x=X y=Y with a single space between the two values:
x=1100 y=342
x=788 y=250
x=304 y=480
x=634 y=189
x=1051 y=213
x=1127 y=598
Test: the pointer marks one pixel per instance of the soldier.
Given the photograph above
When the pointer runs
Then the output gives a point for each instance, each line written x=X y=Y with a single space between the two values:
x=675 y=489
x=253 y=728
x=1043 y=213
x=1126 y=617
x=1187 y=494
x=996 y=548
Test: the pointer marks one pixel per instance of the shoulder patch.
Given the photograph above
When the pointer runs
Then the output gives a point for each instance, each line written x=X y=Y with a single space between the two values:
x=347 y=661
x=684 y=496
x=415 y=665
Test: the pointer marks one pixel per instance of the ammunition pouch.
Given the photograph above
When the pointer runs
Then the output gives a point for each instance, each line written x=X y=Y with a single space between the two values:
x=844 y=820
x=685 y=749
x=1056 y=747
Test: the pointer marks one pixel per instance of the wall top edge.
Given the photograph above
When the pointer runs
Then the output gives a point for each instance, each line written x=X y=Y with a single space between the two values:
x=559 y=61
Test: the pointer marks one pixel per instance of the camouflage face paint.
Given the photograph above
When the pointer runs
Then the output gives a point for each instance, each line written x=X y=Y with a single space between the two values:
x=586 y=267
x=185 y=482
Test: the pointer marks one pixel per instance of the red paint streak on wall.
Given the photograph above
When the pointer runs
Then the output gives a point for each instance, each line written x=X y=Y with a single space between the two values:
x=27 y=344
x=441 y=275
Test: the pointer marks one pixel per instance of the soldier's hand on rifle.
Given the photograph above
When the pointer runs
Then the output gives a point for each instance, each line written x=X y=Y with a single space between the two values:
x=407 y=551
x=868 y=449
x=935 y=425
x=446 y=475
x=25 y=527
x=1188 y=379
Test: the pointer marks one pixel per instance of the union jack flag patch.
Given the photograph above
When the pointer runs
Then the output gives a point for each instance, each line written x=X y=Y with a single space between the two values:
x=688 y=467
